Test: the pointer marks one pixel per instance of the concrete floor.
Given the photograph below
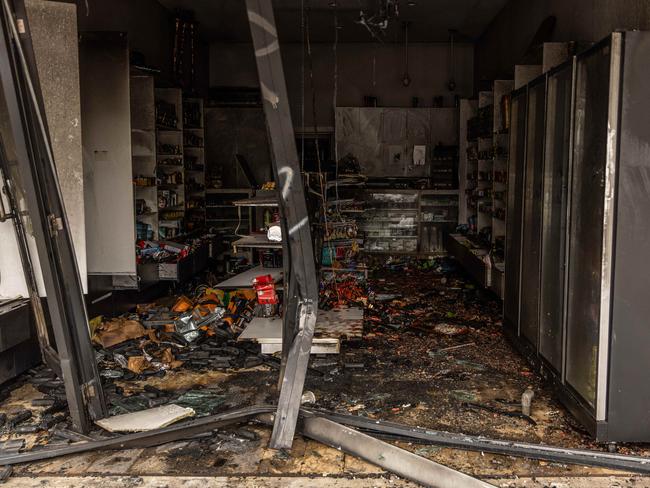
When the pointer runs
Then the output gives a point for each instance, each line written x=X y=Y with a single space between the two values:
x=295 y=482
x=412 y=376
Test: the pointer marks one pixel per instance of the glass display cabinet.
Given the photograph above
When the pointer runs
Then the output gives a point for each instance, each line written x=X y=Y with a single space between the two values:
x=391 y=221
x=516 y=168
x=587 y=326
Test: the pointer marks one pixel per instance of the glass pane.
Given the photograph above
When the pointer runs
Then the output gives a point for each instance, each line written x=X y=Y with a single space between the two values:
x=532 y=214
x=586 y=228
x=515 y=193
x=558 y=131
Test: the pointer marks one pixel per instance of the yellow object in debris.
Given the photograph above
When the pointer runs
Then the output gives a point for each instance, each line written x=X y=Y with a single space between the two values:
x=94 y=323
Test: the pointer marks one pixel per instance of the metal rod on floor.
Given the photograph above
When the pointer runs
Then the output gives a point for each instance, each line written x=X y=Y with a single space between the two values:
x=150 y=438
x=391 y=458
x=581 y=457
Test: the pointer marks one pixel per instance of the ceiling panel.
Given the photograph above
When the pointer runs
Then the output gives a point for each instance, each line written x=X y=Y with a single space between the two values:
x=430 y=20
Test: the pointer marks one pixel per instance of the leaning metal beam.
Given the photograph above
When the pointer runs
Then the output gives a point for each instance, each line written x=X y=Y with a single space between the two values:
x=301 y=305
x=392 y=458
x=34 y=175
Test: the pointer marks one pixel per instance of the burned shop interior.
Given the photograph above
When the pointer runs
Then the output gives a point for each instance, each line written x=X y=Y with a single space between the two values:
x=322 y=243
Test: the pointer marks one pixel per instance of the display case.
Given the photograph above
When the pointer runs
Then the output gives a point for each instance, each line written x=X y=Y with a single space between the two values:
x=532 y=212
x=438 y=218
x=391 y=221
x=593 y=307
x=516 y=168
x=591 y=227
x=554 y=225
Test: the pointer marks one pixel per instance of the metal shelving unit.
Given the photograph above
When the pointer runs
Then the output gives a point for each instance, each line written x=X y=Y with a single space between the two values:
x=144 y=155
x=169 y=168
x=194 y=163
x=224 y=216
x=500 y=128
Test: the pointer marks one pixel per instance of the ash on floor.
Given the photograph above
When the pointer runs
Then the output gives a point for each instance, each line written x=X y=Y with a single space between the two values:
x=433 y=354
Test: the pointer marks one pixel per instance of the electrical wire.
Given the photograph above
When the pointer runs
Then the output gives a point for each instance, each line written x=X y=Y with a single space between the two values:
x=335 y=102
x=302 y=86
x=321 y=182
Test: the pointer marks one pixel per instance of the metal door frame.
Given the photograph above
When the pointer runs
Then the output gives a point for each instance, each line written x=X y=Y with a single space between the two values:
x=607 y=265
x=523 y=93
x=570 y=64
x=37 y=172
x=540 y=80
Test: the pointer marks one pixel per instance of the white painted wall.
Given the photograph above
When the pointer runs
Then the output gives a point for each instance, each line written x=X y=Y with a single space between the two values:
x=54 y=32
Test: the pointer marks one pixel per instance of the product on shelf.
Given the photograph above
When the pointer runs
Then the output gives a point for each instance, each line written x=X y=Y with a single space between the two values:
x=169 y=149
x=192 y=140
x=166 y=115
x=192 y=117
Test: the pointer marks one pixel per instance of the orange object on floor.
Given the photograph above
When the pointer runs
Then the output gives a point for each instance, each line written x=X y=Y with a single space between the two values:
x=183 y=304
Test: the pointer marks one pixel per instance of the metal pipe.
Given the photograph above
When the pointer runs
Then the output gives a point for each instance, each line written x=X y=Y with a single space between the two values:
x=391 y=458
x=581 y=457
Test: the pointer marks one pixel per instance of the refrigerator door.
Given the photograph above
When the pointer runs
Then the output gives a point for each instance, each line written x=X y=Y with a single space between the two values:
x=532 y=216
x=585 y=252
x=516 y=168
x=554 y=222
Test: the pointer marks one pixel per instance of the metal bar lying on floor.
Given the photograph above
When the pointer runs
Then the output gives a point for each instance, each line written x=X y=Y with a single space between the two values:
x=378 y=428
x=391 y=458
x=302 y=301
x=144 y=439
x=582 y=457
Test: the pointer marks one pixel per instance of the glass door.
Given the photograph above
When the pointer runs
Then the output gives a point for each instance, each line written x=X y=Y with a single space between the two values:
x=556 y=174
x=532 y=212
x=516 y=168
x=586 y=224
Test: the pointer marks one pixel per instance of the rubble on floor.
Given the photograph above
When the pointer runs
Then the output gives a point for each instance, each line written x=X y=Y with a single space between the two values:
x=432 y=354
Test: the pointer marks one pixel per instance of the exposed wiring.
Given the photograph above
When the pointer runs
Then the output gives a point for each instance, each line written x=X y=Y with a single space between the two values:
x=313 y=87
x=302 y=86
x=335 y=102
x=321 y=178
x=238 y=223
